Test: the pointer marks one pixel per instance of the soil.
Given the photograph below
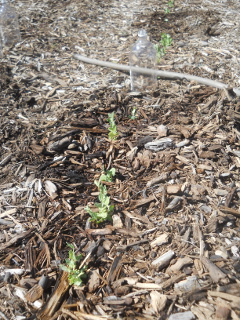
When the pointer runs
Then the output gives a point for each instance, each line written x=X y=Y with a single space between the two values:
x=171 y=247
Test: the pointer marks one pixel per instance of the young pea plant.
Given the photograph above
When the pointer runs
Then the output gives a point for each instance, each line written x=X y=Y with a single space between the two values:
x=164 y=43
x=112 y=130
x=170 y=5
x=104 y=208
x=133 y=115
x=75 y=275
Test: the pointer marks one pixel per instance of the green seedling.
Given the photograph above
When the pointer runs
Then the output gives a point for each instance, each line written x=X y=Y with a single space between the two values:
x=164 y=43
x=112 y=134
x=133 y=115
x=107 y=176
x=75 y=275
x=104 y=208
x=170 y=5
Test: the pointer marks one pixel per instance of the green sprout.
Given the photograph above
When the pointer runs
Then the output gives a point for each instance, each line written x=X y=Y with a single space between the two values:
x=133 y=115
x=170 y=5
x=112 y=134
x=76 y=275
x=104 y=208
x=164 y=43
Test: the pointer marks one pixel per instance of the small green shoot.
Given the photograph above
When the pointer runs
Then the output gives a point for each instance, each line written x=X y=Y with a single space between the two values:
x=107 y=176
x=133 y=115
x=164 y=43
x=112 y=134
x=104 y=208
x=170 y=5
x=76 y=275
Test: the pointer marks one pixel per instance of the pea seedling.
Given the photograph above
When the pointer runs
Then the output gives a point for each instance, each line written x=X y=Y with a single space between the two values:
x=164 y=43
x=75 y=275
x=170 y=5
x=104 y=208
x=112 y=134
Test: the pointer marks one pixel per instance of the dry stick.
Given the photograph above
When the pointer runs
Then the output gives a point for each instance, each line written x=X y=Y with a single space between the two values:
x=158 y=73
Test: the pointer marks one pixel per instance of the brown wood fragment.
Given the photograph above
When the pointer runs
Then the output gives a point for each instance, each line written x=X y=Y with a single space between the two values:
x=203 y=312
x=95 y=232
x=93 y=280
x=162 y=239
x=174 y=204
x=12 y=241
x=6 y=160
x=173 y=188
x=225 y=296
x=59 y=145
x=161 y=178
x=113 y=300
x=232 y=211
x=115 y=268
x=215 y=273
x=147 y=286
x=85 y=122
x=163 y=260
x=142 y=202
x=30 y=257
x=158 y=301
x=207 y=155
x=37 y=290
x=212 y=223
x=42 y=208
x=8 y=212
x=222 y=312
x=230 y=196
x=56 y=298
x=85 y=316
x=136 y=243
x=181 y=262
x=174 y=279
x=232 y=288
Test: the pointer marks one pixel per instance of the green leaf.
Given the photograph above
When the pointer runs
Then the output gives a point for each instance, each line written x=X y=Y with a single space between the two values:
x=64 y=268
x=112 y=134
x=70 y=245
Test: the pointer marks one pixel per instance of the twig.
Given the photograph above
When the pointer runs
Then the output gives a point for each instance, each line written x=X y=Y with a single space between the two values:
x=158 y=73
x=6 y=160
